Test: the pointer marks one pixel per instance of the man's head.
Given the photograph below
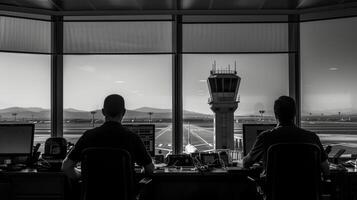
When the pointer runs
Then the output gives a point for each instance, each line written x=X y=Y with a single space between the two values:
x=114 y=107
x=285 y=109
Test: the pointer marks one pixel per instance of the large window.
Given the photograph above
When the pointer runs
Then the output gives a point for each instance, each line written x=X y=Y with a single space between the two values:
x=25 y=91
x=264 y=77
x=328 y=80
x=143 y=80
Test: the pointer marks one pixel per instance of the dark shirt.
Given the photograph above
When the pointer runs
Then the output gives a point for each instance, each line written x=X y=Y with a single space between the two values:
x=112 y=134
x=282 y=134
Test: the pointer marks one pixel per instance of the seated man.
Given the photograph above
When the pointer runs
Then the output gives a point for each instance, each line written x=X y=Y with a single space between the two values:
x=285 y=132
x=110 y=134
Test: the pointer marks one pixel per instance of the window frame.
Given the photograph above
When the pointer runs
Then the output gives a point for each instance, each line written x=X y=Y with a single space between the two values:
x=177 y=20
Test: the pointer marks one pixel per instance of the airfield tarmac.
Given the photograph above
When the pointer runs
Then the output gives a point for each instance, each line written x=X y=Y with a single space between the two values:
x=337 y=134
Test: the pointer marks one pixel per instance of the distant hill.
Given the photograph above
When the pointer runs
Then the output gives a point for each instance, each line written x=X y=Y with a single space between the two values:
x=73 y=110
x=27 y=113
x=154 y=110
x=165 y=113
x=19 y=109
x=37 y=113
x=330 y=112
x=191 y=114
x=71 y=113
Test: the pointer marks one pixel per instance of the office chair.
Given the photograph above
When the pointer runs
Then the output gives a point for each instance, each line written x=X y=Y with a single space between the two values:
x=107 y=173
x=293 y=172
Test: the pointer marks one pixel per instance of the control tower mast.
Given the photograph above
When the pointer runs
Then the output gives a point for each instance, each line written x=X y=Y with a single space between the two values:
x=223 y=85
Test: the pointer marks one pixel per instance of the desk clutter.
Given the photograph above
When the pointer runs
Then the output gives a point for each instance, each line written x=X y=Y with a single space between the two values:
x=340 y=161
x=55 y=151
x=50 y=160
x=25 y=155
x=214 y=161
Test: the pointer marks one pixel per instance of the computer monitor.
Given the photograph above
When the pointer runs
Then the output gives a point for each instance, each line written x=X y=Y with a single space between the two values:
x=147 y=135
x=250 y=133
x=16 y=139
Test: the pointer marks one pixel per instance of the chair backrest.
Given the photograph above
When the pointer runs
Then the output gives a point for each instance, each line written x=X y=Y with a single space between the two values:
x=293 y=172
x=107 y=173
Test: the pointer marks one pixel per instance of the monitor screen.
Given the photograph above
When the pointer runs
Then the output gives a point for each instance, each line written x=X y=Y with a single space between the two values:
x=146 y=133
x=16 y=139
x=250 y=133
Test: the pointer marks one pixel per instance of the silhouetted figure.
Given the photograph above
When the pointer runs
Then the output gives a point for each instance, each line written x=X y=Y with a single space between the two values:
x=110 y=134
x=285 y=132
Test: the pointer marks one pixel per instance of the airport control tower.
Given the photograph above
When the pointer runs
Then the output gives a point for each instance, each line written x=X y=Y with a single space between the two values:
x=223 y=85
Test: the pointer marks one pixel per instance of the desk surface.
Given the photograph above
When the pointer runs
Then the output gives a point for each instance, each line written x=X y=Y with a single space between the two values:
x=182 y=171
x=31 y=171
x=33 y=184
x=167 y=172
x=176 y=170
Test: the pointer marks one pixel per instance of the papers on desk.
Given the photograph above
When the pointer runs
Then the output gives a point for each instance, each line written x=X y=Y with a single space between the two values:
x=219 y=170
x=180 y=169
x=235 y=169
x=161 y=165
x=335 y=167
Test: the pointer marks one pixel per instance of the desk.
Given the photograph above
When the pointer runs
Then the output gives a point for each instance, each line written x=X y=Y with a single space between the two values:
x=32 y=185
x=345 y=184
x=235 y=185
x=208 y=186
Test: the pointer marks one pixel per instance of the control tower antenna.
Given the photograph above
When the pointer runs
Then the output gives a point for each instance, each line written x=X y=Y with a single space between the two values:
x=223 y=86
x=235 y=66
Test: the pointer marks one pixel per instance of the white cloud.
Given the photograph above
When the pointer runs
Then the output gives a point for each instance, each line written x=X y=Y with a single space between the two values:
x=333 y=69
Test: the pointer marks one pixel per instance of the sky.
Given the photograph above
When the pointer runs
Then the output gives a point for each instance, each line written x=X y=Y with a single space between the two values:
x=24 y=80
x=328 y=71
x=143 y=80
x=329 y=66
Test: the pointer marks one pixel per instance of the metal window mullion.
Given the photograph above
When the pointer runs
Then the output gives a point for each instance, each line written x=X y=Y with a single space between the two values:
x=294 y=64
x=57 y=76
x=177 y=114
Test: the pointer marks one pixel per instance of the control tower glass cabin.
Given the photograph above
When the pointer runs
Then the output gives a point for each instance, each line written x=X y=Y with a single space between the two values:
x=223 y=86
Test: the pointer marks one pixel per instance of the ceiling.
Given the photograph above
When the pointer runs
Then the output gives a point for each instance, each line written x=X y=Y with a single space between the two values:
x=95 y=5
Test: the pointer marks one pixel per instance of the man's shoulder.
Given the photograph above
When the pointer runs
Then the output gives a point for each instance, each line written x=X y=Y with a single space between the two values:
x=266 y=133
x=298 y=129
x=110 y=130
x=299 y=132
x=308 y=133
x=93 y=131
x=126 y=132
x=293 y=128
x=131 y=134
